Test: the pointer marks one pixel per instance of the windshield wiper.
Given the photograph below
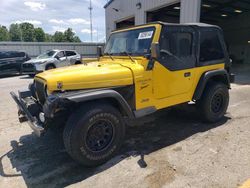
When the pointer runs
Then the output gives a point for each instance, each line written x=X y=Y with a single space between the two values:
x=110 y=55
x=127 y=54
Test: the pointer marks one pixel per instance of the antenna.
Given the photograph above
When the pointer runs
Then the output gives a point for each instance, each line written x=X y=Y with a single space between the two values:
x=91 y=23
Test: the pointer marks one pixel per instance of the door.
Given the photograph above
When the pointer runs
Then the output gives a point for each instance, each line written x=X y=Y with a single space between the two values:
x=174 y=72
x=71 y=57
x=62 y=59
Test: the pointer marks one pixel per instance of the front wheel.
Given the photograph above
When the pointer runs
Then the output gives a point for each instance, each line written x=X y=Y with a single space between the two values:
x=94 y=133
x=214 y=102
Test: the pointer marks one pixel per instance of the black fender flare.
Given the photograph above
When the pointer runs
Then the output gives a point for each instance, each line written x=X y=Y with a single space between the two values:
x=206 y=77
x=55 y=101
x=102 y=94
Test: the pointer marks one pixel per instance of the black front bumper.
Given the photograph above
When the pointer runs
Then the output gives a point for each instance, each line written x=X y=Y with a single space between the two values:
x=25 y=113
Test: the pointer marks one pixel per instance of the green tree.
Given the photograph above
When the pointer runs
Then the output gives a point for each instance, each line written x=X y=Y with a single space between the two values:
x=69 y=35
x=4 y=33
x=49 y=38
x=39 y=34
x=27 y=31
x=77 y=39
x=59 y=37
x=15 y=32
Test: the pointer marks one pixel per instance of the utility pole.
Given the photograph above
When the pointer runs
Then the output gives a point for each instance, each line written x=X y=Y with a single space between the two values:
x=97 y=34
x=91 y=23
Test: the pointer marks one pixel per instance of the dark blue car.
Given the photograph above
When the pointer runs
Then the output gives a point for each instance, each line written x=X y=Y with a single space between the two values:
x=11 y=62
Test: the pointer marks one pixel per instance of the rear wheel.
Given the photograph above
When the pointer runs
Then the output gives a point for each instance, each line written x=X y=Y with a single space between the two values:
x=94 y=133
x=214 y=102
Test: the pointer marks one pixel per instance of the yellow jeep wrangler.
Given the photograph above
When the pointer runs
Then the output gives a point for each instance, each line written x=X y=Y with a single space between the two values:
x=143 y=69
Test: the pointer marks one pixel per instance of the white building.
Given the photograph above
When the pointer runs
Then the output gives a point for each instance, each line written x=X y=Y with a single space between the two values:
x=232 y=15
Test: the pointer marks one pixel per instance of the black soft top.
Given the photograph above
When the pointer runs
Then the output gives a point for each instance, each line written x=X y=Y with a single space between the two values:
x=201 y=25
x=197 y=26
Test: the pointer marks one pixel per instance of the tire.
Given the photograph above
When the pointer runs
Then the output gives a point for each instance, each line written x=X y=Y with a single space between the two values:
x=78 y=62
x=93 y=134
x=214 y=102
x=31 y=75
x=49 y=67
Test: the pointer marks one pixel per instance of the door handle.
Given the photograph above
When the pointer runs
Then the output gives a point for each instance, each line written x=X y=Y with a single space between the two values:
x=187 y=74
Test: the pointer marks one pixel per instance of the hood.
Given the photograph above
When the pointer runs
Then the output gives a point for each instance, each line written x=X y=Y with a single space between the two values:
x=92 y=75
x=34 y=61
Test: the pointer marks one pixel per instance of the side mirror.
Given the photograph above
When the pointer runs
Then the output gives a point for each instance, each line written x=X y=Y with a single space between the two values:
x=99 y=51
x=155 y=50
x=57 y=57
x=155 y=54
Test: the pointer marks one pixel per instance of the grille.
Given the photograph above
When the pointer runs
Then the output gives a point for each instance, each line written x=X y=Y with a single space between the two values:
x=40 y=91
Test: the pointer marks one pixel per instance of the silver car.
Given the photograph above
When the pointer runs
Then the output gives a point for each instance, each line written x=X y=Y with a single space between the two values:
x=50 y=60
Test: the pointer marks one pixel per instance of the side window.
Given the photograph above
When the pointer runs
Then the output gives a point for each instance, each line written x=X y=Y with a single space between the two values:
x=21 y=54
x=210 y=46
x=13 y=54
x=70 y=53
x=17 y=54
x=178 y=44
x=5 y=55
x=61 y=54
x=176 y=49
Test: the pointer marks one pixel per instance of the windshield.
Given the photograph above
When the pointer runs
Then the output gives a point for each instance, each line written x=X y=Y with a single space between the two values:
x=46 y=55
x=133 y=42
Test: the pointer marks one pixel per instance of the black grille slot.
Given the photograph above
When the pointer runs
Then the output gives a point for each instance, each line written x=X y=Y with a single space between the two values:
x=40 y=91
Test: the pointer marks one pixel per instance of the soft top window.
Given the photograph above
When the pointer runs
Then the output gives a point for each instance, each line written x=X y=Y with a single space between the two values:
x=178 y=43
x=210 y=46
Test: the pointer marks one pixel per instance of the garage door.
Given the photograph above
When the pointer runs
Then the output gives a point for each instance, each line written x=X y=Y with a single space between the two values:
x=233 y=16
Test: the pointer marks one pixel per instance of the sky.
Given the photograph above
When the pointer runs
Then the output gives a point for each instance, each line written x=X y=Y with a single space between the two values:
x=57 y=15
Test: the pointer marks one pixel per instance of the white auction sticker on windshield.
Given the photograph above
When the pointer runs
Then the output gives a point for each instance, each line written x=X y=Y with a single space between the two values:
x=146 y=35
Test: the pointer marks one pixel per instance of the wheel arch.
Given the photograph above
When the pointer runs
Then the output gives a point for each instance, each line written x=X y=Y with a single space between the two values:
x=208 y=77
x=50 y=64
x=78 y=62
x=103 y=96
